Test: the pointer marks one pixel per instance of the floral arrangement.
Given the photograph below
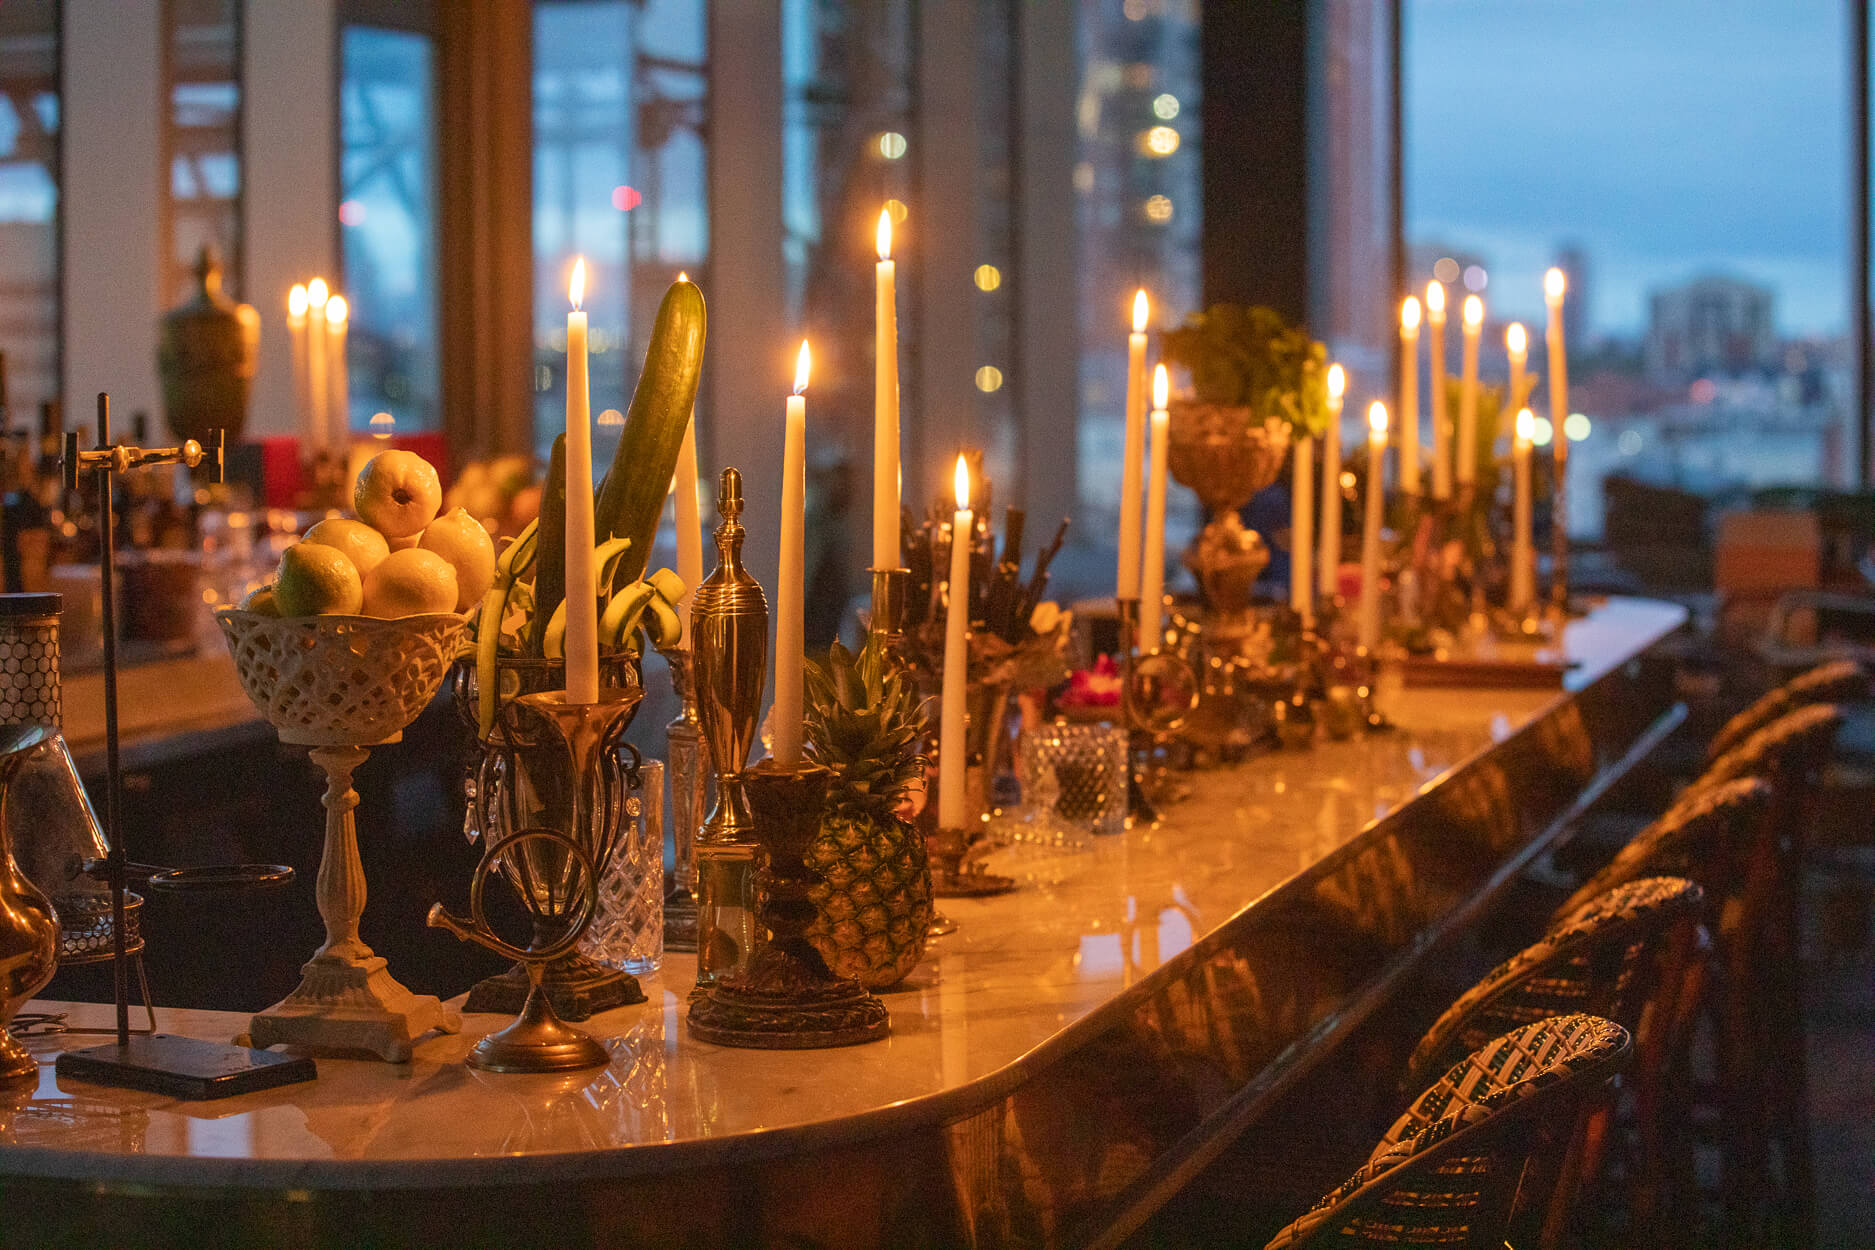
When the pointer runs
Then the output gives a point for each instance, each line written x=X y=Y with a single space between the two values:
x=1240 y=357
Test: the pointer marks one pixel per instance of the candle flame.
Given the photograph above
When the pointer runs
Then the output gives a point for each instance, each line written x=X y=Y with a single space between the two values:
x=1141 y=310
x=1377 y=419
x=1516 y=340
x=337 y=310
x=1409 y=313
x=1435 y=300
x=1337 y=382
x=576 y=288
x=1554 y=284
x=1474 y=312
x=883 y=240
x=960 y=482
x=683 y=275
x=1161 y=389
x=1526 y=425
x=803 y=363
x=296 y=300
x=316 y=292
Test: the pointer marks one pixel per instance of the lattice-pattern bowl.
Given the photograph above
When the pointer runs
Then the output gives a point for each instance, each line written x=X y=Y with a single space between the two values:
x=341 y=680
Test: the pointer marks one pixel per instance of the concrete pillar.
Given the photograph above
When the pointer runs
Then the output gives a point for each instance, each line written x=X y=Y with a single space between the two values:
x=111 y=116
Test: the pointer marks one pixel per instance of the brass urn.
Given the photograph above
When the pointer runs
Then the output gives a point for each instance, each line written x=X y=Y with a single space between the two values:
x=206 y=356
x=29 y=928
x=1226 y=454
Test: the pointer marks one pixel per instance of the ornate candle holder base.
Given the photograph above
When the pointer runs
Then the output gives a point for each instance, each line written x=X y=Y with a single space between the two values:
x=539 y=1041
x=577 y=986
x=787 y=998
x=680 y=920
x=953 y=875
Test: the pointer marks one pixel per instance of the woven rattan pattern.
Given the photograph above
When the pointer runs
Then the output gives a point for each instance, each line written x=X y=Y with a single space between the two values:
x=341 y=680
x=1704 y=836
x=1589 y=961
x=1448 y=1171
x=1799 y=741
x=1834 y=682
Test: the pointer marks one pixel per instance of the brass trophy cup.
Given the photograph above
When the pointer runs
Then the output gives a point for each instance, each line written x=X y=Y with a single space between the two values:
x=729 y=666
x=556 y=874
x=1225 y=455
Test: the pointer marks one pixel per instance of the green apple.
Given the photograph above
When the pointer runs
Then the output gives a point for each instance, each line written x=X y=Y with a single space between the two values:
x=362 y=545
x=460 y=539
x=317 y=580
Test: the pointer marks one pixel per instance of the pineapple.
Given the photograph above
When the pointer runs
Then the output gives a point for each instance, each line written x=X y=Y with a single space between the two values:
x=865 y=721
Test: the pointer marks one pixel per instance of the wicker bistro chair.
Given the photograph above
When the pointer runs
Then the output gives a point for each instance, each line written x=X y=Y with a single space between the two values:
x=1594 y=960
x=1448 y=1172
x=1705 y=836
x=1835 y=682
x=1623 y=955
x=1761 y=1089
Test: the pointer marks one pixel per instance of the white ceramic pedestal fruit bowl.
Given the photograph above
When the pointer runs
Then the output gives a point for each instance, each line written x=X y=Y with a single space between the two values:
x=341 y=685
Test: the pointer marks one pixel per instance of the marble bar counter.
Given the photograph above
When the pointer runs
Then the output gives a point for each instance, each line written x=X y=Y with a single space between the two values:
x=1056 y=1066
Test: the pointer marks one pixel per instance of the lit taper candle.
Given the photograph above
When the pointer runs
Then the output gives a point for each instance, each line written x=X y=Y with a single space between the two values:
x=1369 y=621
x=1554 y=284
x=688 y=516
x=1467 y=450
x=317 y=383
x=1409 y=395
x=296 y=304
x=1441 y=427
x=1302 y=526
x=1517 y=348
x=1126 y=584
x=338 y=375
x=1152 y=589
x=951 y=790
x=885 y=450
x=1522 y=545
x=1328 y=572
x=791 y=582
x=582 y=577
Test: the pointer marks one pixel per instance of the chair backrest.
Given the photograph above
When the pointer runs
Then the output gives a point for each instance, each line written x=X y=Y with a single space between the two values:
x=1834 y=682
x=1703 y=837
x=1448 y=1172
x=1798 y=741
x=1594 y=960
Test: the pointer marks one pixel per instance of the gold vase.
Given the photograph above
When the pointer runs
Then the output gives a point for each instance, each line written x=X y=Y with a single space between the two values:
x=29 y=928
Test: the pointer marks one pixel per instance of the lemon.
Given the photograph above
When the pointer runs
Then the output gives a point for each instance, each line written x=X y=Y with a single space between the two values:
x=409 y=583
x=317 y=580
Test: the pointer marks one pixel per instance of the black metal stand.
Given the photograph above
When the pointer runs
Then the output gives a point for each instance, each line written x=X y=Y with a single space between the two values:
x=180 y=1066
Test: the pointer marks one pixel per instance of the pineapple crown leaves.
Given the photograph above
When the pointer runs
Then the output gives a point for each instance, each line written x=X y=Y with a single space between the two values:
x=866 y=722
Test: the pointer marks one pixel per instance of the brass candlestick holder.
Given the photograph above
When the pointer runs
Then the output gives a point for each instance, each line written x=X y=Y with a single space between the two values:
x=556 y=874
x=689 y=798
x=522 y=782
x=729 y=659
x=889 y=588
x=787 y=998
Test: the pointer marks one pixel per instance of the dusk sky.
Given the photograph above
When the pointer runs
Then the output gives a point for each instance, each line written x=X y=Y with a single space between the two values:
x=1668 y=137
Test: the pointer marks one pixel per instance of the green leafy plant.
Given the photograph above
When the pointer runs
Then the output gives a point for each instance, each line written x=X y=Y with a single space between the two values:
x=1251 y=358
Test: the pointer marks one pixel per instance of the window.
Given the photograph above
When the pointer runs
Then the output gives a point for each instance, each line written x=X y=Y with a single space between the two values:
x=387 y=216
x=29 y=199
x=1137 y=182
x=619 y=178
x=1684 y=164
x=202 y=62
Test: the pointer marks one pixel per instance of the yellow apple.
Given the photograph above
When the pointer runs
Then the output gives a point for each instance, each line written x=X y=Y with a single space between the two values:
x=316 y=580
x=409 y=583
x=362 y=545
x=460 y=539
x=397 y=493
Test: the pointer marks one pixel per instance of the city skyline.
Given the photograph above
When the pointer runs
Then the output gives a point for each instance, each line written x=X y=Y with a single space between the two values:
x=1671 y=140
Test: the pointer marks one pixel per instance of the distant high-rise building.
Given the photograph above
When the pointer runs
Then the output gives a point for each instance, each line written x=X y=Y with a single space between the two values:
x=1574 y=262
x=1711 y=326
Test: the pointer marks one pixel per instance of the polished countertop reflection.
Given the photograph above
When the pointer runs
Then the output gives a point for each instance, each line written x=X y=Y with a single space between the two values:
x=1023 y=974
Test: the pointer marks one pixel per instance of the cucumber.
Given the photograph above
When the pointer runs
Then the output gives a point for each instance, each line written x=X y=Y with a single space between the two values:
x=631 y=499
x=550 y=548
